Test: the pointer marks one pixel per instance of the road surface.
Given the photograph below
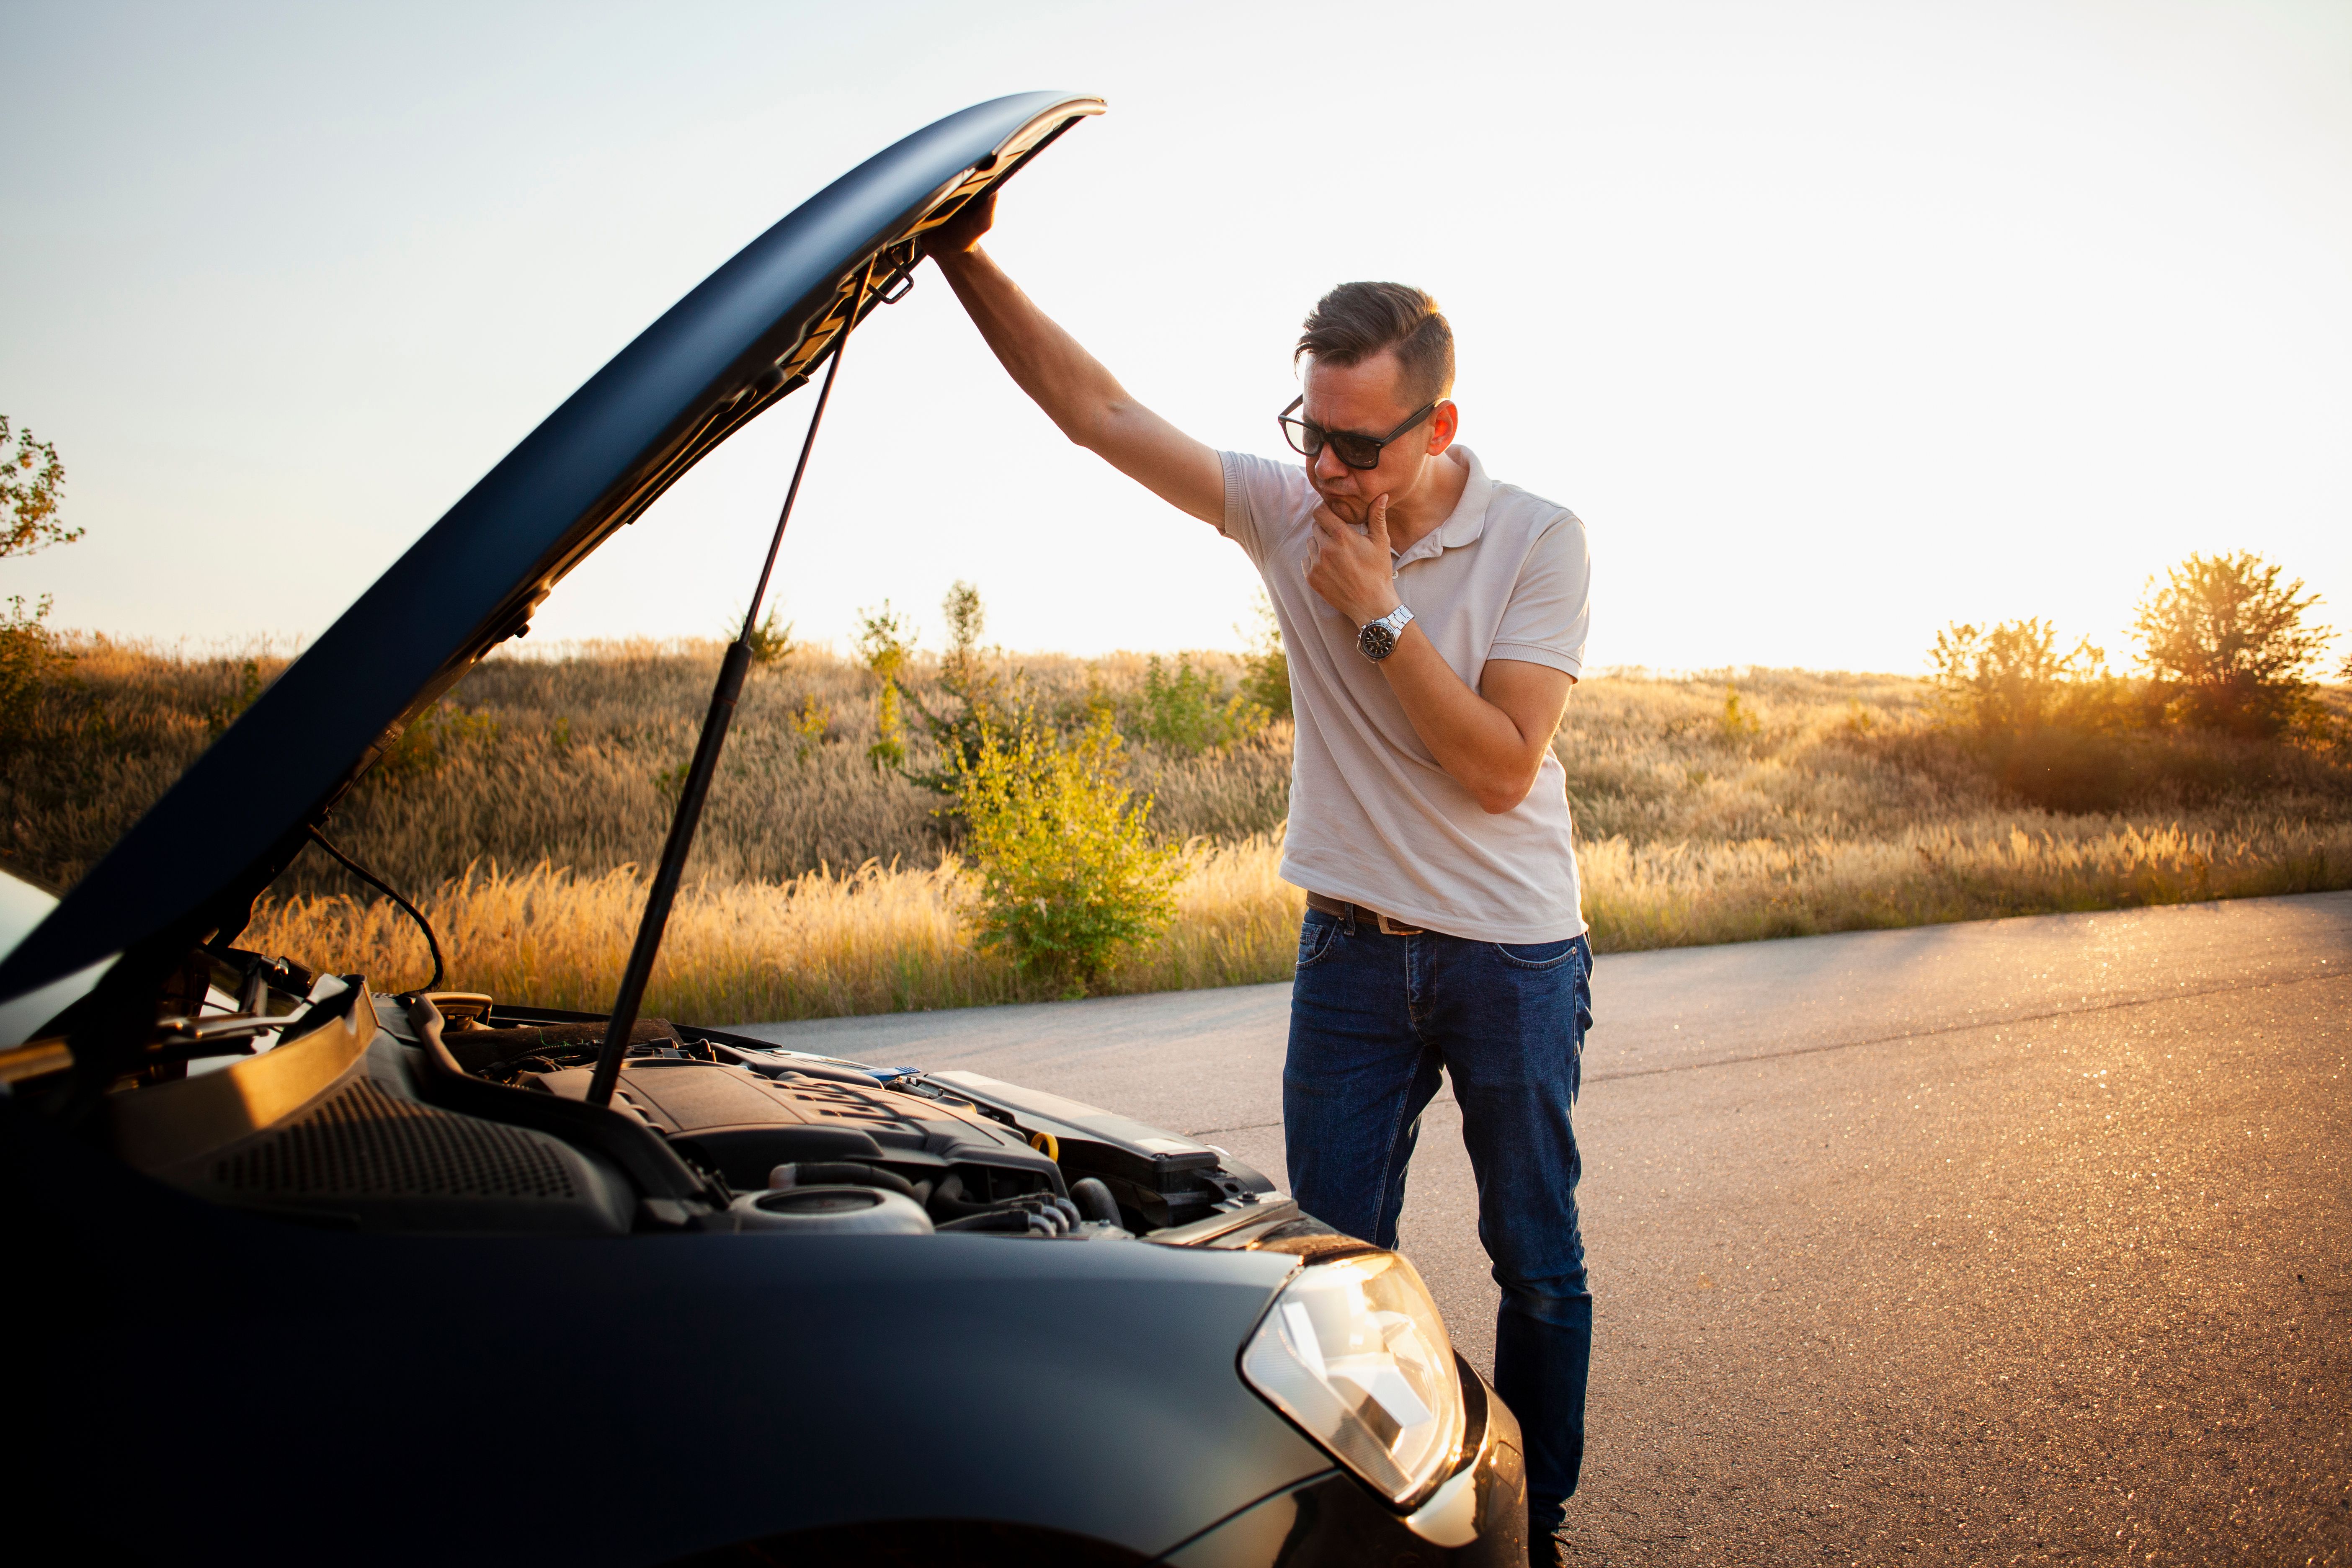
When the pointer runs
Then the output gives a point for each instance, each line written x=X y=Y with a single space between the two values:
x=2021 y=1241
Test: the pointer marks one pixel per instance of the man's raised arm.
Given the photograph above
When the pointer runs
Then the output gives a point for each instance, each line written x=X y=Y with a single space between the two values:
x=1069 y=384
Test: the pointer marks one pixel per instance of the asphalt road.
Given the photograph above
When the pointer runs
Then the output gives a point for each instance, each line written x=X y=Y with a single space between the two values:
x=2023 y=1241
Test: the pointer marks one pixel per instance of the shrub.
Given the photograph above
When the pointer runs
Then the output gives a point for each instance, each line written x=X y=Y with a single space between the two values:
x=1267 y=682
x=1738 y=725
x=1190 y=711
x=31 y=658
x=973 y=699
x=1070 y=876
x=771 y=641
x=885 y=642
x=2010 y=679
x=2227 y=642
x=2046 y=723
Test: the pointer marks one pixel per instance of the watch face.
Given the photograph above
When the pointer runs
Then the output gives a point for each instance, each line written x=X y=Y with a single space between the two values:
x=1376 y=641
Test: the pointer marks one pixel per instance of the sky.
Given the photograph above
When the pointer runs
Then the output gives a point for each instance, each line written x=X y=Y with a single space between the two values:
x=1834 y=323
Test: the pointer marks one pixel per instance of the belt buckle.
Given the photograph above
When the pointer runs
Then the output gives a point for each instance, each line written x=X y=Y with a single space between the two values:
x=1389 y=929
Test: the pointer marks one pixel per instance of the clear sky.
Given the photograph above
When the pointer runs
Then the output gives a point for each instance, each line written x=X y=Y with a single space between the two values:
x=1835 y=321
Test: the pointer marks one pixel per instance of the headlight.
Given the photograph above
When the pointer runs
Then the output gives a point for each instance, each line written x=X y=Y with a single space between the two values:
x=1354 y=1352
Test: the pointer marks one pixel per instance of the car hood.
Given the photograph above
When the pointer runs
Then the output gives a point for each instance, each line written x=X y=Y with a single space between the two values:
x=751 y=333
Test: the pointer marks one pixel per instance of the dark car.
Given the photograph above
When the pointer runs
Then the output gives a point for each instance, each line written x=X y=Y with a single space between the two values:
x=298 y=1271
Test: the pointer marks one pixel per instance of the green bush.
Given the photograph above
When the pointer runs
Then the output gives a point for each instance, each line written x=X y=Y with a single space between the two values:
x=1189 y=710
x=2010 y=680
x=974 y=698
x=31 y=658
x=885 y=642
x=1070 y=878
x=1267 y=682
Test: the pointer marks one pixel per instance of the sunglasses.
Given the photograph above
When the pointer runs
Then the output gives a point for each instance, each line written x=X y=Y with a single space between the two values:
x=1358 y=451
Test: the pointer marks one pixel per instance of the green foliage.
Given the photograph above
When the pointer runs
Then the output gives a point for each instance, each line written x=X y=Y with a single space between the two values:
x=2010 y=680
x=1737 y=725
x=1189 y=710
x=219 y=716
x=885 y=640
x=32 y=488
x=974 y=698
x=1267 y=682
x=811 y=724
x=1070 y=878
x=966 y=616
x=2046 y=722
x=424 y=749
x=771 y=642
x=31 y=658
x=2228 y=642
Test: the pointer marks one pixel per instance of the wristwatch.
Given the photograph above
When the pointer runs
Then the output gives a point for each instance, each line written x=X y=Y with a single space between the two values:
x=1378 y=638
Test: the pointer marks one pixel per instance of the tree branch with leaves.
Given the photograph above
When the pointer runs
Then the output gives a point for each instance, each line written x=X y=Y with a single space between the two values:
x=32 y=489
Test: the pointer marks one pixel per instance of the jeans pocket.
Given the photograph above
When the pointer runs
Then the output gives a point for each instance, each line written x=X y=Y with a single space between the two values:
x=1536 y=955
x=1315 y=938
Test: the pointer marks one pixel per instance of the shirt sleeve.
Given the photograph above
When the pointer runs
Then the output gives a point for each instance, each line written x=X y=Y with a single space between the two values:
x=1550 y=609
x=1260 y=496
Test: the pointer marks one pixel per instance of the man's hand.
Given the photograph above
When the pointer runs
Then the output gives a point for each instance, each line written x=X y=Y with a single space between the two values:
x=1355 y=573
x=962 y=233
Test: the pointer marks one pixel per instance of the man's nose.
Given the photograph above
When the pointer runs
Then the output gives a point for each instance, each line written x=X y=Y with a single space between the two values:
x=1327 y=466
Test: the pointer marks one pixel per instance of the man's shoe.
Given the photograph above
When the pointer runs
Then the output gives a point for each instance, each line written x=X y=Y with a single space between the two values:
x=1544 y=1519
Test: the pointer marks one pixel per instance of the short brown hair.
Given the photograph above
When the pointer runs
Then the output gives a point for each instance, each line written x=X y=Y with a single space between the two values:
x=1357 y=321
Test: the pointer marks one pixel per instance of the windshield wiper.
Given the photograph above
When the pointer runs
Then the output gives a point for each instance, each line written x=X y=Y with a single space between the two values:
x=708 y=744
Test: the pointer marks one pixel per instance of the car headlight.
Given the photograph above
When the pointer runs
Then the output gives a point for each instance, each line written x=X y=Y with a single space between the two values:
x=1355 y=1352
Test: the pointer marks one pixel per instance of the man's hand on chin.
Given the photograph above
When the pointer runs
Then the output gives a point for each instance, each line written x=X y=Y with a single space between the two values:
x=1354 y=572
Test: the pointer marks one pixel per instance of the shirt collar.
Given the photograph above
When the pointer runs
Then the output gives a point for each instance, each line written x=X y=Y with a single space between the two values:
x=1464 y=523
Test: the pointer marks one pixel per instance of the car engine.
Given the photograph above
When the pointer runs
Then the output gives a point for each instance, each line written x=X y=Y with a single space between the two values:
x=449 y=1113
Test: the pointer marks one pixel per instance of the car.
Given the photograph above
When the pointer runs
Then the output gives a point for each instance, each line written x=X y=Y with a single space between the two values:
x=301 y=1270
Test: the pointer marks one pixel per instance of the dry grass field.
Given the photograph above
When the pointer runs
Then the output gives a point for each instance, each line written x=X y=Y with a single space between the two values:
x=1726 y=807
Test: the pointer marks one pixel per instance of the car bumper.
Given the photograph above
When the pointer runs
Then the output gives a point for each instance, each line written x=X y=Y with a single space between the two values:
x=1479 y=1517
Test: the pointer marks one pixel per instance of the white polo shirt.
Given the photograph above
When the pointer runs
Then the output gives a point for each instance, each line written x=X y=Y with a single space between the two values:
x=1373 y=818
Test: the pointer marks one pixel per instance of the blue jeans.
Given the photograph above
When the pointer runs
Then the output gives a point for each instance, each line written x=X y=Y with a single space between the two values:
x=1374 y=1020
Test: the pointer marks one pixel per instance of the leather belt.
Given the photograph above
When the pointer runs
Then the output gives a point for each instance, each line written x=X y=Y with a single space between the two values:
x=1353 y=913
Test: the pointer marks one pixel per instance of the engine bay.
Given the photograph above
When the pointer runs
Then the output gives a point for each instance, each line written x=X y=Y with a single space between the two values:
x=449 y=1112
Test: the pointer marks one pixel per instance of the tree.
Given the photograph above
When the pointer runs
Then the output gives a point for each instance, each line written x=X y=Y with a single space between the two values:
x=2228 y=639
x=2010 y=679
x=32 y=488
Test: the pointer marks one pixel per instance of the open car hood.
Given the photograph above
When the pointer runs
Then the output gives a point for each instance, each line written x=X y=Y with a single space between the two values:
x=751 y=333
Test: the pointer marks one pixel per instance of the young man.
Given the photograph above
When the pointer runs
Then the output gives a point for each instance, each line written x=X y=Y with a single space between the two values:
x=1435 y=621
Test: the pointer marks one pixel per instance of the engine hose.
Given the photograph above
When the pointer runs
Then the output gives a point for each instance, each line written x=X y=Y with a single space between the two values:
x=946 y=1202
x=996 y=1219
x=843 y=1172
x=1093 y=1201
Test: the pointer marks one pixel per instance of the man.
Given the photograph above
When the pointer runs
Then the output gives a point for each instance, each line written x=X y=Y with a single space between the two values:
x=1434 y=622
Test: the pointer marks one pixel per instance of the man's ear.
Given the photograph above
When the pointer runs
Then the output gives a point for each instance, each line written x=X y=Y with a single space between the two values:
x=1442 y=425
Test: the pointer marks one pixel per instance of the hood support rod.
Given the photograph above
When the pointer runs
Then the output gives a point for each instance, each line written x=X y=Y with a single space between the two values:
x=707 y=747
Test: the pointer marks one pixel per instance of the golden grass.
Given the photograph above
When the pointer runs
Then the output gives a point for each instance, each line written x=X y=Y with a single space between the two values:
x=1675 y=895
x=1814 y=803
x=873 y=940
x=894 y=938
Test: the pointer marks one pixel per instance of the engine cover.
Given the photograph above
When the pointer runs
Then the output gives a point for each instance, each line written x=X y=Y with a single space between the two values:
x=743 y=1123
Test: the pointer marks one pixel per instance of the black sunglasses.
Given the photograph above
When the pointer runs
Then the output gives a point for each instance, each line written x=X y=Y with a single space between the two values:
x=1358 y=451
